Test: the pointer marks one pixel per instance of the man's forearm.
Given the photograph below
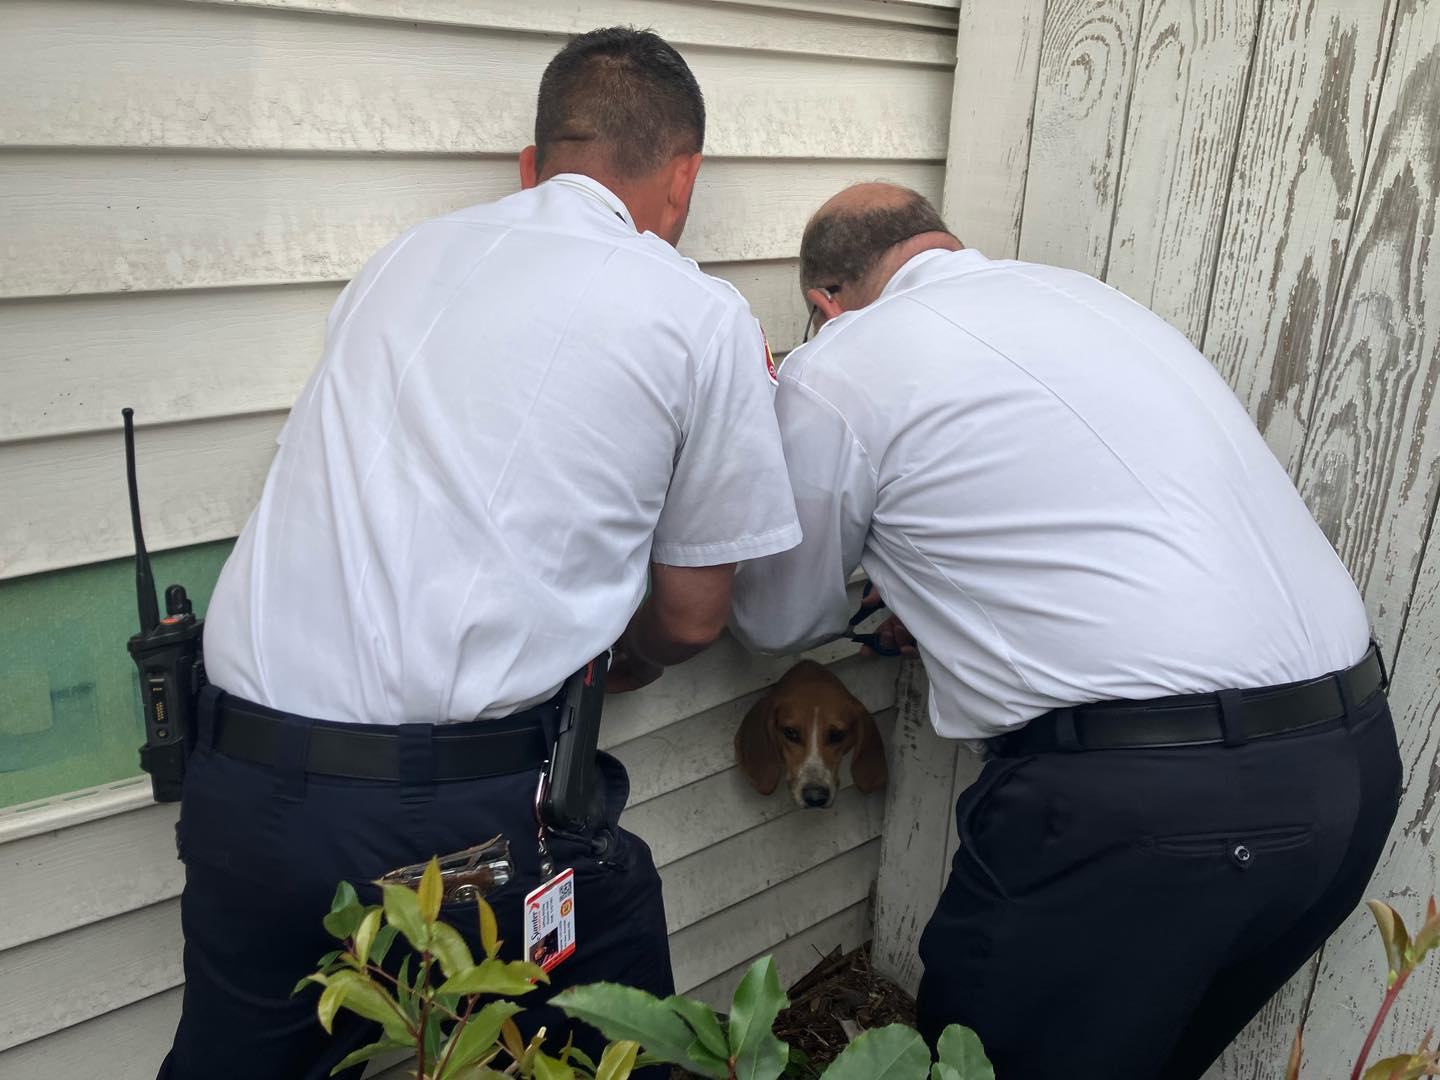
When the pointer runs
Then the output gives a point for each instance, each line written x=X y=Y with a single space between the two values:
x=683 y=615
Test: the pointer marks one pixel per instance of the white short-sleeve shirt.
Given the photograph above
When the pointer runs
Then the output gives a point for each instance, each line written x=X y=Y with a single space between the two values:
x=1054 y=490
x=519 y=406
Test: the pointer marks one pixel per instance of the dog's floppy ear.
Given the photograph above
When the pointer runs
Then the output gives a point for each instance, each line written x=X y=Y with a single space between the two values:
x=755 y=749
x=868 y=768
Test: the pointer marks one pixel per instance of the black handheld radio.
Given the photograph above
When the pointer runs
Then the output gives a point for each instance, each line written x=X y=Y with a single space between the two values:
x=168 y=653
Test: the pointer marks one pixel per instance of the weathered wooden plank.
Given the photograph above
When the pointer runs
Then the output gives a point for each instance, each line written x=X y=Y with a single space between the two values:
x=238 y=78
x=998 y=61
x=1370 y=471
x=127 y=1043
x=795 y=956
x=1371 y=458
x=850 y=27
x=72 y=363
x=714 y=945
x=724 y=874
x=919 y=804
x=1184 y=118
x=1087 y=66
x=90 y=222
x=1297 y=174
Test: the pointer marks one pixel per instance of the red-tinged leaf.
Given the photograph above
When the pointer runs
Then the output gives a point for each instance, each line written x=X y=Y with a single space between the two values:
x=1428 y=936
x=1393 y=935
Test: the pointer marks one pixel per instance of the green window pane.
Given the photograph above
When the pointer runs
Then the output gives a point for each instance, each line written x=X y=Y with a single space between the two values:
x=69 y=694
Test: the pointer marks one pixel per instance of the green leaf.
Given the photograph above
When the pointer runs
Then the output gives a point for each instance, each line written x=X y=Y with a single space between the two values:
x=489 y=929
x=450 y=949
x=1393 y=934
x=547 y=1068
x=328 y=1006
x=345 y=912
x=319 y=978
x=618 y=1061
x=756 y=1052
x=434 y=1036
x=706 y=1025
x=365 y=997
x=960 y=1047
x=510 y=1036
x=941 y=1071
x=476 y=1038
x=384 y=938
x=431 y=891
x=889 y=1053
x=405 y=993
x=625 y=1013
x=580 y=1057
x=496 y=977
x=365 y=936
x=402 y=908
x=1401 y=1067
x=365 y=1053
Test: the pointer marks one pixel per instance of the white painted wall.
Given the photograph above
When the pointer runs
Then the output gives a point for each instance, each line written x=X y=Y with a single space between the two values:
x=184 y=188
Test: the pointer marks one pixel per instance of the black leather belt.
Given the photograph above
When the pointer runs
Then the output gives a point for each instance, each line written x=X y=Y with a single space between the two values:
x=1233 y=717
x=462 y=751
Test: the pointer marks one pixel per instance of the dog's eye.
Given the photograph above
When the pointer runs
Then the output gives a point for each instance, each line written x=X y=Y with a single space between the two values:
x=791 y=734
x=836 y=736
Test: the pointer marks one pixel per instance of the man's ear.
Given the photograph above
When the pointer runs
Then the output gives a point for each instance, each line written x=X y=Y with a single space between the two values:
x=685 y=168
x=529 y=174
x=868 y=768
x=828 y=305
x=755 y=749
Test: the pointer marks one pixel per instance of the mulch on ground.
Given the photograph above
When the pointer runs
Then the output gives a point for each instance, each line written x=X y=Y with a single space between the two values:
x=839 y=997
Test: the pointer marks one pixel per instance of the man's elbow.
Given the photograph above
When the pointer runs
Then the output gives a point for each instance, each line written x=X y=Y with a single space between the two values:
x=696 y=630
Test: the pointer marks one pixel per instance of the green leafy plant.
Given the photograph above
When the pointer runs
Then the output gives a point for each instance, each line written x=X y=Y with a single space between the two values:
x=432 y=1008
x=1403 y=954
x=743 y=1046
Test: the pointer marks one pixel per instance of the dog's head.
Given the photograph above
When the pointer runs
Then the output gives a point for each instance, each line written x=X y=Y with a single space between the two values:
x=801 y=730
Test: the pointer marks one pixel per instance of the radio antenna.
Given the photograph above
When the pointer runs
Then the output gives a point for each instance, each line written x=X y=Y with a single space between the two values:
x=144 y=580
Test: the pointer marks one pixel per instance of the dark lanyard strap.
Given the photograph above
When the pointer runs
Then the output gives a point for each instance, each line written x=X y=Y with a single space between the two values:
x=870 y=641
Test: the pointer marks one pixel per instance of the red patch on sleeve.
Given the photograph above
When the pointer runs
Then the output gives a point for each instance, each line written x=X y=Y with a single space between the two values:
x=769 y=360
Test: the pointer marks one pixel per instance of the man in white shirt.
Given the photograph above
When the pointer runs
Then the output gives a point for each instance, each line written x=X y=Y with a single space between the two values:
x=1113 y=584
x=522 y=409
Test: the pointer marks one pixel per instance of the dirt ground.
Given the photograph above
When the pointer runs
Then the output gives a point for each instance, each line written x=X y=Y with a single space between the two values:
x=841 y=992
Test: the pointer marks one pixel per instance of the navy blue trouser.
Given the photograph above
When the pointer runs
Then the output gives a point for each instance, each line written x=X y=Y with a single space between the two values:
x=264 y=849
x=1122 y=914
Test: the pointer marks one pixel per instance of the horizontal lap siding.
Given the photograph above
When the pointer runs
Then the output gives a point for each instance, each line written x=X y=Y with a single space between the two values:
x=186 y=187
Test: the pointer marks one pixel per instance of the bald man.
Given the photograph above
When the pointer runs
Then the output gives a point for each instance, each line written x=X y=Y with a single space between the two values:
x=1116 y=593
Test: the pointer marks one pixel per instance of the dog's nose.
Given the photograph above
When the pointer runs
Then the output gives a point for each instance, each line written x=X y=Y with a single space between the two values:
x=816 y=796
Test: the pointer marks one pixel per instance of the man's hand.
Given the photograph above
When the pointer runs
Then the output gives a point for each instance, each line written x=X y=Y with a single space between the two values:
x=890 y=634
x=684 y=613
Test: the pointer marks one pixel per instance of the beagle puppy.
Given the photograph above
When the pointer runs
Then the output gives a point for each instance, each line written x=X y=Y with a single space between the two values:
x=801 y=730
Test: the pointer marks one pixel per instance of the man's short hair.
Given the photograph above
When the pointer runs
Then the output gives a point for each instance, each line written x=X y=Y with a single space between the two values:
x=624 y=92
x=842 y=246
